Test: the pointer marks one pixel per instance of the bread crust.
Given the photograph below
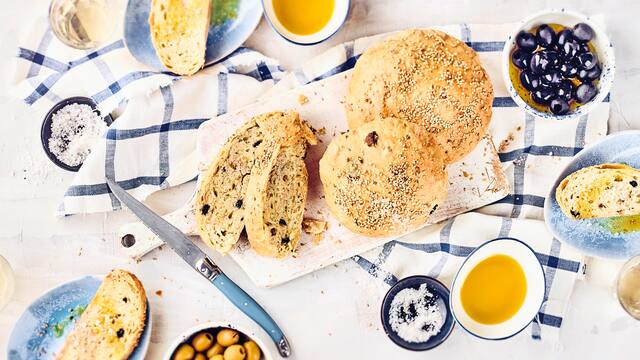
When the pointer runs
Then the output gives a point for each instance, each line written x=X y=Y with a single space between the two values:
x=599 y=191
x=384 y=178
x=426 y=77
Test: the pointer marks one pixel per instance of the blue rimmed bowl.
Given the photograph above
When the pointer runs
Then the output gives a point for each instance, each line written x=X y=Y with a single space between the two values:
x=524 y=255
x=338 y=18
x=222 y=39
x=594 y=236
x=33 y=336
x=441 y=294
x=601 y=43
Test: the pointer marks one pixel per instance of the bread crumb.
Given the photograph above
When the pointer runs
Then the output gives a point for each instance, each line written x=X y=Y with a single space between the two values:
x=159 y=293
x=302 y=99
x=315 y=228
x=506 y=142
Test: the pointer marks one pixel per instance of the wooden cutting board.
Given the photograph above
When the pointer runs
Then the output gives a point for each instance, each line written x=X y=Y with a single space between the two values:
x=475 y=181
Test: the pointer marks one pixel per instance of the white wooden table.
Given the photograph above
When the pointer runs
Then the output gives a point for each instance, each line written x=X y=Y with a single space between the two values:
x=329 y=314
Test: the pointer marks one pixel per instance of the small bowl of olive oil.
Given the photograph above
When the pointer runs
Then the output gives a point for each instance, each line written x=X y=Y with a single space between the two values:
x=498 y=290
x=306 y=22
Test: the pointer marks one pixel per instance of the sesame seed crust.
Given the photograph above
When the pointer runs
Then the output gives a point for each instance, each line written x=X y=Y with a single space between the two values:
x=426 y=77
x=386 y=187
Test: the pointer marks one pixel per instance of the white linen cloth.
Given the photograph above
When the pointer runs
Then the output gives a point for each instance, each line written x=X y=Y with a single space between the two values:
x=152 y=146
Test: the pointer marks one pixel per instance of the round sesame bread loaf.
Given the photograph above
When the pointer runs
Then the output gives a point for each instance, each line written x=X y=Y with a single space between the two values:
x=426 y=77
x=384 y=178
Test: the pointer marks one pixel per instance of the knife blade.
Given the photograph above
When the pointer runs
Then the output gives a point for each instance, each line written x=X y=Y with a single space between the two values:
x=199 y=261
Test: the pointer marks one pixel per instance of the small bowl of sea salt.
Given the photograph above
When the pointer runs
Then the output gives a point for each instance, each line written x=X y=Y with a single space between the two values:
x=415 y=313
x=70 y=129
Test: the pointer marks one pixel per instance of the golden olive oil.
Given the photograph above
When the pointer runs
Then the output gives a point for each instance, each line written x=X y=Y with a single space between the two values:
x=494 y=290
x=304 y=17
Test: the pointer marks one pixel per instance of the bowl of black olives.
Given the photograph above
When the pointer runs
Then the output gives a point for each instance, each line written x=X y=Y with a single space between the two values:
x=558 y=64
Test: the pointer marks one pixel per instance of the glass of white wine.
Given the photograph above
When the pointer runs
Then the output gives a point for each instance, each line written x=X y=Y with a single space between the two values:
x=628 y=287
x=84 y=24
x=7 y=282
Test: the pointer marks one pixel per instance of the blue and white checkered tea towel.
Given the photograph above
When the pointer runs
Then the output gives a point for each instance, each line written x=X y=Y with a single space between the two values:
x=532 y=151
x=151 y=145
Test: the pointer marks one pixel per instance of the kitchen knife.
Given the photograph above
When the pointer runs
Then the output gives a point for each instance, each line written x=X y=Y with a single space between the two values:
x=198 y=260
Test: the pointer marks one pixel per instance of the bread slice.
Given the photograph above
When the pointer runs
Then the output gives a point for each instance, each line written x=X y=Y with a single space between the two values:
x=179 y=30
x=276 y=195
x=111 y=325
x=600 y=191
x=220 y=203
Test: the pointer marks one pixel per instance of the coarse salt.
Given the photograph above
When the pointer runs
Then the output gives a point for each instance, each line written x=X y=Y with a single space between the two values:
x=415 y=315
x=74 y=130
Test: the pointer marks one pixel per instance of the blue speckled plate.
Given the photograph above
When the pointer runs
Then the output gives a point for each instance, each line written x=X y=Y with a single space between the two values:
x=223 y=39
x=593 y=236
x=32 y=336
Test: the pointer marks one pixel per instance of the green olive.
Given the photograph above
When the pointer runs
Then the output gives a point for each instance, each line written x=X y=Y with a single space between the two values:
x=227 y=337
x=253 y=350
x=202 y=341
x=200 y=356
x=184 y=352
x=217 y=357
x=235 y=352
x=216 y=349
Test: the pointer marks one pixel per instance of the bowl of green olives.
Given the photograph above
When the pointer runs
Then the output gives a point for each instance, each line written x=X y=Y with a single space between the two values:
x=558 y=65
x=212 y=341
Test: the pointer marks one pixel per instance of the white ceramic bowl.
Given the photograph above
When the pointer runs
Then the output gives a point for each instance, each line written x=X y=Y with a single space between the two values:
x=534 y=297
x=340 y=13
x=603 y=47
x=266 y=354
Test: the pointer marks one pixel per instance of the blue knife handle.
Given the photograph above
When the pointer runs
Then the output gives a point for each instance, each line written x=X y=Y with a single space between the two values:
x=252 y=309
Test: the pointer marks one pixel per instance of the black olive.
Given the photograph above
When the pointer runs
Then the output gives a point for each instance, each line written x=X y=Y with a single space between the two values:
x=559 y=106
x=583 y=32
x=282 y=222
x=285 y=240
x=526 y=41
x=120 y=332
x=587 y=60
x=564 y=90
x=545 y=36
x=520 y=59
x=633 y=183
x=568 y=70
x=205 y=209
x=552 y=78
x=574 y=213
x=529 y=81
x=584 y=93
x=542 y=96
x=239 y=204
x=570 y=50
x=255 y=144
x=565 y=36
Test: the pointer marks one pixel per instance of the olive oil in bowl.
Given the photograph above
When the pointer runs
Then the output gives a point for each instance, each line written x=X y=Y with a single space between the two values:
x=306 y=22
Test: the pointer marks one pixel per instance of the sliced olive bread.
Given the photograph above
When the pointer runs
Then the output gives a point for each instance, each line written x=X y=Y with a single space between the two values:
x=220 y=203
x=600 y=191
x=276 y=196
x=179 y=30
x=111 y=325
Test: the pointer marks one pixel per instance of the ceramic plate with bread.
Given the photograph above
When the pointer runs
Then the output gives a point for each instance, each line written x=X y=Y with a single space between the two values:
x=92 y=317
x=181 y=36
x=594 y=204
